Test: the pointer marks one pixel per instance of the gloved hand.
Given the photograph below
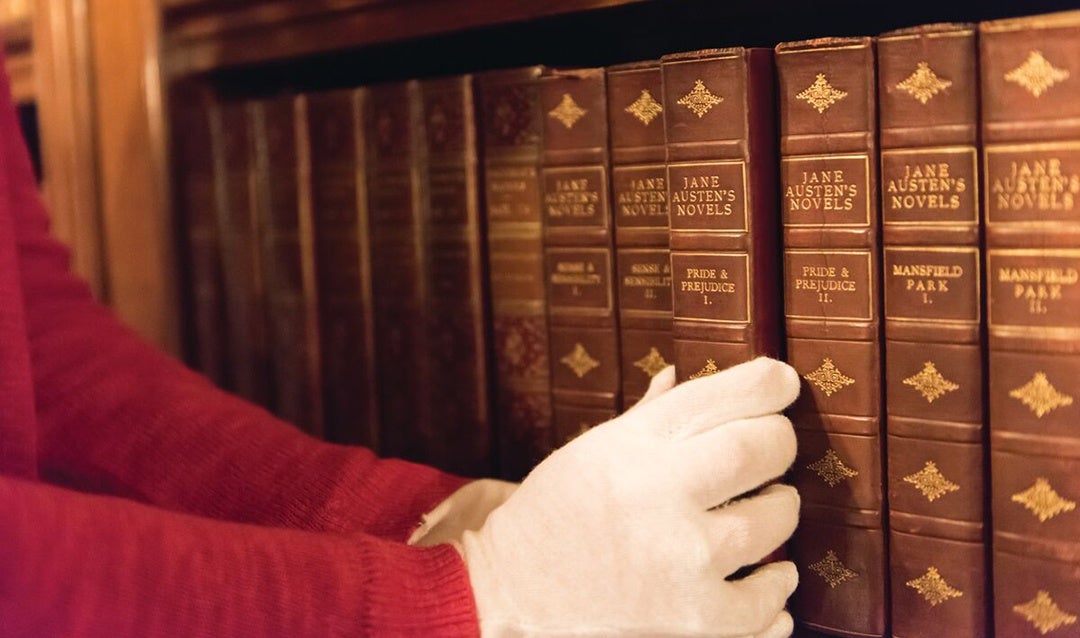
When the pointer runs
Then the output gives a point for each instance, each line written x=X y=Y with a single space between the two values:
x=619 y=533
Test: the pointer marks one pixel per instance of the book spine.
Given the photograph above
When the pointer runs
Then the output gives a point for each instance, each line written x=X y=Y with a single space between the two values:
x=334 y=175
x=288 y=266
x=928 y=118
x=399 y=283
x=721 y=150
x=456 y=295
x=510 y=127
x=1029 y=69
x=584 y=338
x=828 y=175
x=238 y=228
x=639 y=201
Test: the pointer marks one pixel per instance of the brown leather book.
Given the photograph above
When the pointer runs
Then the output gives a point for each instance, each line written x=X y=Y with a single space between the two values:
x=640 y=205
x=828 y=175
x=456 y=304
x=928 y=118
x=721 y=150
x=333 y=173
x=510 y=126
x=238 y=228
x=196 y=124
x=1030 y=76
x=584 y=346
x=394 y=127
x=288 y=264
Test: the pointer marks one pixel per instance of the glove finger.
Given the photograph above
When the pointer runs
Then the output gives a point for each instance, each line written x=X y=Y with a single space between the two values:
x=725 y=462
x=758 y=387
x=782 y=627
x=747 y=531
x=660 y=383
x=753 y=602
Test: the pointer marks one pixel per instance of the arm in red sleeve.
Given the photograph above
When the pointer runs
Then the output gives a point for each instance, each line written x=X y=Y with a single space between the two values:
x=76 y=564
x=117 y=417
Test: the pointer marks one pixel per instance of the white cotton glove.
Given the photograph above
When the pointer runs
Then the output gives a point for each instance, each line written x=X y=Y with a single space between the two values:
x=618 y=532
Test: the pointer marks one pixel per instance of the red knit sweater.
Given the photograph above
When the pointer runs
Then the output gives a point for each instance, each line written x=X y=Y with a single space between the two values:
x=209 y=517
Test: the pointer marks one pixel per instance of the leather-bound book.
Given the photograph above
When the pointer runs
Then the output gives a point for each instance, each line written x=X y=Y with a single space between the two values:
x=288 y=263
x=639 y=202
x=722 y=184
x=928 y=119
x=398 y=280
x=584 y=337
x=196 y=126
x=238 y=228
x=1030 y=78
x=510 y=126
x=333 y=173
x=456 y=304
x=829 y=203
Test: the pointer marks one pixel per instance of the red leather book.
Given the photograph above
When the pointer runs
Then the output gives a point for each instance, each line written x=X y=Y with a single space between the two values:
x=928 y=117
x=456 y=303
x=288 y=265
x=640 y=205
x=722 y=184
x=510 y=126
x=829 y=199
x=238 y=228
x=333 y=173
x=584 y=337
x=1029 y=71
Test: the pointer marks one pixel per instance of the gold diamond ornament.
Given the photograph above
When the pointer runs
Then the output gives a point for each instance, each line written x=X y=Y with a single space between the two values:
x=930 y=384
x=1036 y=74
x=645 y=108
x=828 y=378
x=821 y=95
x=710 y=368
x=832 y=469
x=923 y=84
x=1043 y=501
x=1044 y=614
x=567 y=112
x=652 y=363
x=933 y=587
x=931 y=482
x=1040 y=396
x=831 y=570
x=700 y=100
x=579 y=361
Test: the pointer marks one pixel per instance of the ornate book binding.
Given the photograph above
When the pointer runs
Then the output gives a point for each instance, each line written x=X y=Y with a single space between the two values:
x=722 y=182
x=828 y=175
x=584 y=338
x=639 y=201
x=455 y=306
x=332 y=169
x=1030 y=70
x=928 y=109
x=510 y=126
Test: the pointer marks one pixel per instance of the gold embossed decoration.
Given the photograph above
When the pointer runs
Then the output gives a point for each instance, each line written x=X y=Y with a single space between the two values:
x=1044 y=614
x=579 y=361
x=933 y=587
x=652 y=363
x=923 y=84
x=1043 y=501
x=831 y=570
x=931 y=482
x=1036 y=74
x=567 y=112
x=832 y=469
x=930 y=384
x=700 y=99
x=1040 y=396
x=645 y=108
x=710 y=368
x=821 y=95
x=828 y=377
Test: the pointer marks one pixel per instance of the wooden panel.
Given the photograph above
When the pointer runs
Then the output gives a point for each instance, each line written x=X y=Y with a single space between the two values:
x=18 y=52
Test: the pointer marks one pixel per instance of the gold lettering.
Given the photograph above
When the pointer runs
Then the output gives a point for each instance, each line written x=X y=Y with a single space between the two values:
x=1038 y=185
